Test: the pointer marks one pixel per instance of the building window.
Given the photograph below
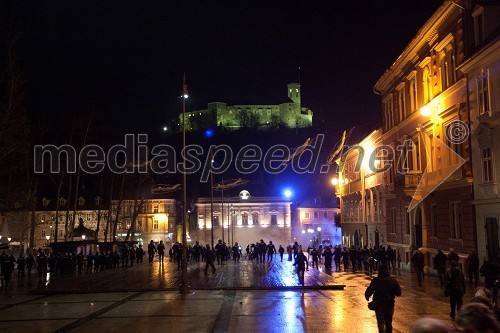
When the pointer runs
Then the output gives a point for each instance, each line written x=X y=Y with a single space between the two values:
x=81 y=201
x=62 y=201
x=455 y=220
x=325 y=215
x=216 y=221
x=413 y=95
x=89 y=217
x=274 y=219
x=244 y=218
x=393 y=220
x=407 y=221
x=43 y=217
x=307 y=216
x=155 y=209
x=426 y=85
x=487 y=161
x=155 y=224
x=255 y=218
x=52 y=218
x=478 y=25
x=60 y=233
x=434 y=220
x=43 y=233
x=105 y=216
x=483 y=97
x=316 y=215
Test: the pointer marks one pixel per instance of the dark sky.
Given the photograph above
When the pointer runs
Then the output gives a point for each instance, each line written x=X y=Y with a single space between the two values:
x=125 y=59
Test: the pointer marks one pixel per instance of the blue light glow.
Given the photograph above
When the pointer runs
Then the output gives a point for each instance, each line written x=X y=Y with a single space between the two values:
x=288 y=193
x=209 y=132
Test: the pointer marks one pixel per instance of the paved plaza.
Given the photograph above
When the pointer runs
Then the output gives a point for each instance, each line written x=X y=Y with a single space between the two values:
x=248 y=296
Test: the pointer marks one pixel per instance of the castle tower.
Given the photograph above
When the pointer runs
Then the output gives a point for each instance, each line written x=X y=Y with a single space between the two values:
x=294 y=92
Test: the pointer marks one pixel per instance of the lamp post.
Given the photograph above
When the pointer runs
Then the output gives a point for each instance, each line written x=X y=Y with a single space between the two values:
x=212 y=195
x=319 y=236
x=46 y=237
x=184 y=287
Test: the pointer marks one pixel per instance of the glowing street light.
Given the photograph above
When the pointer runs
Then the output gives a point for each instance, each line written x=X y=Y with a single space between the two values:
x=318 y=229
x=84 y=236
x=335 y=181
x=288 y=193
x=425 y=111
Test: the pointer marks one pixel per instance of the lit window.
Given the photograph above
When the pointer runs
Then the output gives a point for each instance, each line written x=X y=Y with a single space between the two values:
x=307 y=216
x=155 y=224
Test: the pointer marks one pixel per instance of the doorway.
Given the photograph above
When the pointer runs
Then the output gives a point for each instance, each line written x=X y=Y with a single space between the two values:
x=492 y=237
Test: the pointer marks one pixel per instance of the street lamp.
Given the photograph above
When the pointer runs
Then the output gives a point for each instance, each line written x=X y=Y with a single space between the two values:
x=319 y=235
x=8 y=238
x=47 y=238
x=83 y=237
x=184 y=287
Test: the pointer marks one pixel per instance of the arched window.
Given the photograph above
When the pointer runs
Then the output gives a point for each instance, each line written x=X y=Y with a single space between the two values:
x=255 y=218
x=244 y=218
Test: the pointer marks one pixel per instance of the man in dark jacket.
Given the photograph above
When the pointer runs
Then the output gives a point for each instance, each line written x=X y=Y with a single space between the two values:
x=418 y=261
x=384 y=289
x=473 y=265
x=440 y=260
x=455 y=280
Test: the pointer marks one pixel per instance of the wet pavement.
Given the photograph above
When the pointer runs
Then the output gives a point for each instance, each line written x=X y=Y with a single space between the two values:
x=61 y=305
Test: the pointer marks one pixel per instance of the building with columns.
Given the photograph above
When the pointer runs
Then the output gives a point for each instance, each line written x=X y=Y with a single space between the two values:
x=244 y=219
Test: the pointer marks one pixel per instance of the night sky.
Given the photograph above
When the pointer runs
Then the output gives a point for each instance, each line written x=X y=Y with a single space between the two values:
x=124 y=59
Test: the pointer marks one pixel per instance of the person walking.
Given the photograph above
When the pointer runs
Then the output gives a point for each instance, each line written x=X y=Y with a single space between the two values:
x=271 y=251
x=302 y=266
x=384 y=289
x=473 y=267
x=161 y=251
x=21 y=264
x=418 y=261
x=236 y=252
x=281 y=251
x=7 y=268
x=440 y=261
x=29 y=263
x=455 y=287
x=209 y=259
x=315 y=256
x=139 y=255
x=151 y=251
x=328 y=255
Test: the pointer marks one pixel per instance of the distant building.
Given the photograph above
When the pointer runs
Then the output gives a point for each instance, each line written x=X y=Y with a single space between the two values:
x=244 y=219
x=362 y=193
x=154 y=220
x=217 y=114
x=317 y=223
